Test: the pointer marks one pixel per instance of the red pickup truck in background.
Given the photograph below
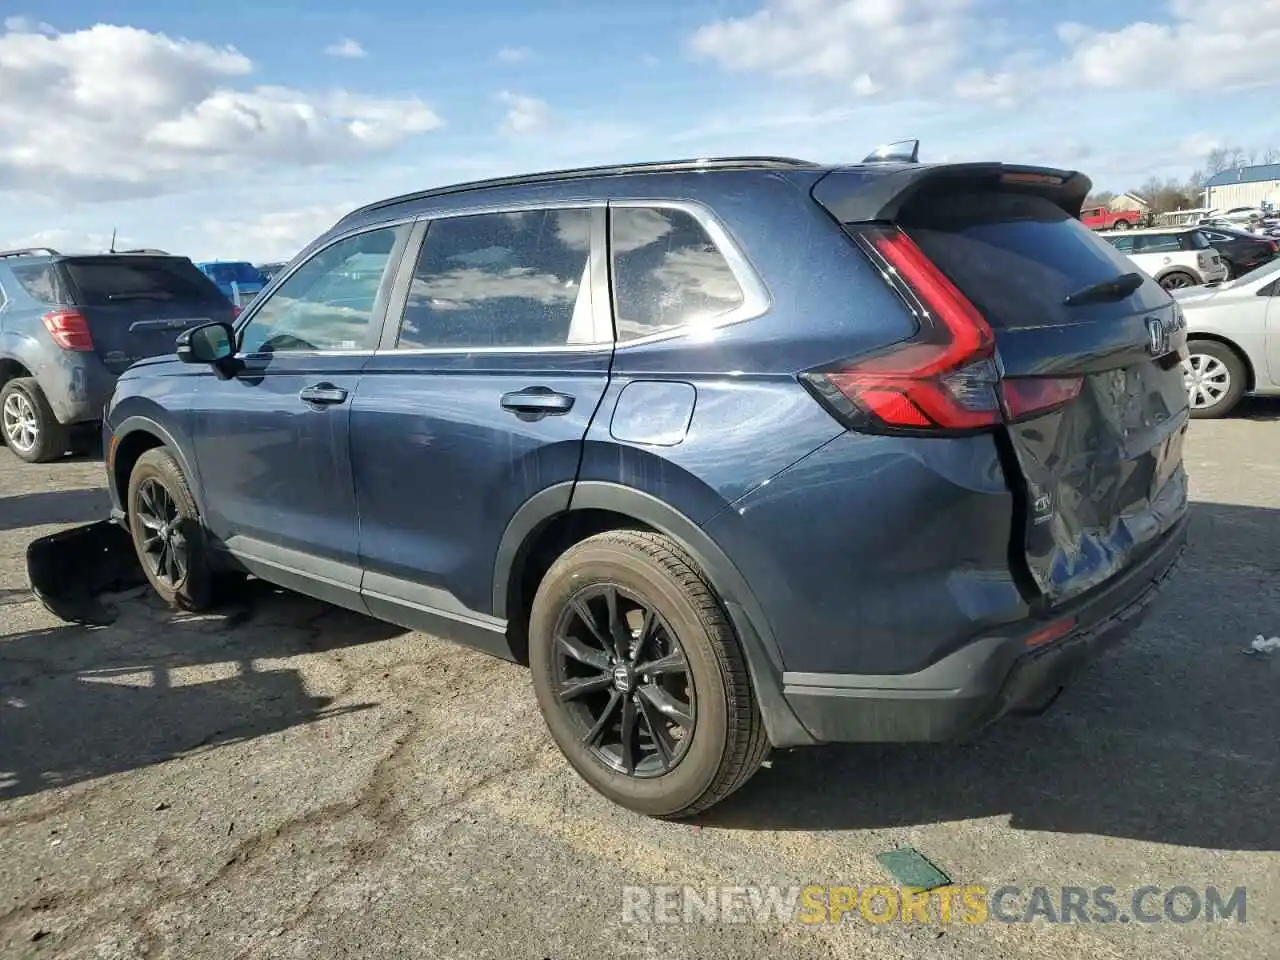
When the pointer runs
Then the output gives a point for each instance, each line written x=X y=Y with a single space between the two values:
x=1100 y=218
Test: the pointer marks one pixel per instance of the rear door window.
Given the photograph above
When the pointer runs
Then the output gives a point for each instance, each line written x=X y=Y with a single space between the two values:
x=1016 y=256
x=102 y=281
x=519 y=279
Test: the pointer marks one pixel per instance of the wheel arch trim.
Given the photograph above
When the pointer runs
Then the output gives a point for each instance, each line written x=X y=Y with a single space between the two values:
x=143 y=424
x=760 y=649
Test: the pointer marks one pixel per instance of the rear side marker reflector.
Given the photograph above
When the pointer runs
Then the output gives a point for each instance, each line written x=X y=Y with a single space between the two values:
x=945 y=379
x=69 y=330
x=1054 y=631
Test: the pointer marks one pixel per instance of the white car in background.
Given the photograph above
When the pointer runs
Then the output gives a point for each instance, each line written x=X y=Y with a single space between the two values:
x=1233 y=340
x=1240 y=216
x=1175 y=257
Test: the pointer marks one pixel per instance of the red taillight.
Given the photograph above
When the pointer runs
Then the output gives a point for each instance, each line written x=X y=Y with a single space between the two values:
x=1275 y=247
x=945 y=378
x=69 y=330
x=1027 y=395
x=236 y=310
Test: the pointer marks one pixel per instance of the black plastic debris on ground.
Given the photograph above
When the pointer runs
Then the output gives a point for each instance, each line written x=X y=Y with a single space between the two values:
x=71 y=570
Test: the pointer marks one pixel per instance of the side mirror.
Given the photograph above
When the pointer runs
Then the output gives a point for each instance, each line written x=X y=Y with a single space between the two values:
x=211 y=343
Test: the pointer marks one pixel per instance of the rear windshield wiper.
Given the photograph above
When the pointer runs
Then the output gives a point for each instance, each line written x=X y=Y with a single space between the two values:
x=1107 y=291
x=140 y=295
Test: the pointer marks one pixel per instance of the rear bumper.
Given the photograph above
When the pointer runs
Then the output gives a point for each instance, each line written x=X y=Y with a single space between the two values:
x=78 y=390
x=964 y=692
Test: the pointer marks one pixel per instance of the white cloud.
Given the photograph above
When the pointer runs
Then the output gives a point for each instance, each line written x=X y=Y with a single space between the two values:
x=73 y=241
x=348 y=48
x=869 y=47
x=1202 y=46
x=27 y=25
x=525 y=114
x=514 y=54
x=112 y=112
x=275 y=235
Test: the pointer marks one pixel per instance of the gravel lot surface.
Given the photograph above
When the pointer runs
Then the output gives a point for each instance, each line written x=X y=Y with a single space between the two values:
x=289 y=780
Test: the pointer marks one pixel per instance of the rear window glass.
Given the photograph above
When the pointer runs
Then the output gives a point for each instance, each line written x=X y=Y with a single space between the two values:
x=40 y=281
x=1016 y=256
x=103 y=280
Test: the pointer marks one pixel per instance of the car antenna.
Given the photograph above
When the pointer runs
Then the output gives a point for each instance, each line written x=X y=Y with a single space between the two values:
x=113 y=241
x=899 y=151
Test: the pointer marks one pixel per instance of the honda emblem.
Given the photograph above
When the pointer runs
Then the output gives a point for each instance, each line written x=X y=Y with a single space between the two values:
x=1158 y=339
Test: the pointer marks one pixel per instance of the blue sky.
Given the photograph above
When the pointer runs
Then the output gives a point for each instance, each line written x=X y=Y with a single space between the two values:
x=239 y=129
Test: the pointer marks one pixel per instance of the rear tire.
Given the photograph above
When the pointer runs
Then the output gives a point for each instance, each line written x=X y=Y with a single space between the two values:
x=1121 y=225
x=1215 y=376
x=168 y=534
x=30 y=428
x=1178 y=279
x=687 y=735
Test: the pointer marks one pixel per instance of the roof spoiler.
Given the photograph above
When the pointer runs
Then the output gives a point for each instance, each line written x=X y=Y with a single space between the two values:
x=864 y=193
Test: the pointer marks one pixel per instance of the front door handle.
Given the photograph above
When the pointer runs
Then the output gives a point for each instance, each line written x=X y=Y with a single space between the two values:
x=323 y=394
x=537 y=402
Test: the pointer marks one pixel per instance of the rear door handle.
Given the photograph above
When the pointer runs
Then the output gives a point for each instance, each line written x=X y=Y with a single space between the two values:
x=537 y=401
x=323 y=393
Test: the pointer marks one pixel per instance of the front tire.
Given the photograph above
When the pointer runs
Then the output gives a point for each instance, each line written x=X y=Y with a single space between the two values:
x=639 y=676
x=168 y=534
x=31 y=430
x=1215 y=376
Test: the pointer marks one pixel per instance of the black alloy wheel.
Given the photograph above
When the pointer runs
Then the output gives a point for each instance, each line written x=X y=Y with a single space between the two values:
x=164 y=546
x=623 y=677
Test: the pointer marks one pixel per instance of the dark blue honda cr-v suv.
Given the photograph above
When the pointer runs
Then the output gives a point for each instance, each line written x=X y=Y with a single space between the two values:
x=733 y=453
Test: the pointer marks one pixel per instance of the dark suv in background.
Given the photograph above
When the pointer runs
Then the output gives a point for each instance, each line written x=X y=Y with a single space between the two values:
x=69 y=325
x=733 y=453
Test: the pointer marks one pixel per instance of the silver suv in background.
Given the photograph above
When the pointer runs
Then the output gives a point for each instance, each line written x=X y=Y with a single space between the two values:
x=1176 y=257
x=71 y=324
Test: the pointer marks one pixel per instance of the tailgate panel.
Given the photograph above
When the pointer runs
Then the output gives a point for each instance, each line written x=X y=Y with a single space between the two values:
x=1104 y=476
x=135 y=306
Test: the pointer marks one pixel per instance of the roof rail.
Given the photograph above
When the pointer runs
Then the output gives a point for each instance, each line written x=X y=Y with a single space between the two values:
x=31 y=252
x=617 y=170
x=152 y=250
